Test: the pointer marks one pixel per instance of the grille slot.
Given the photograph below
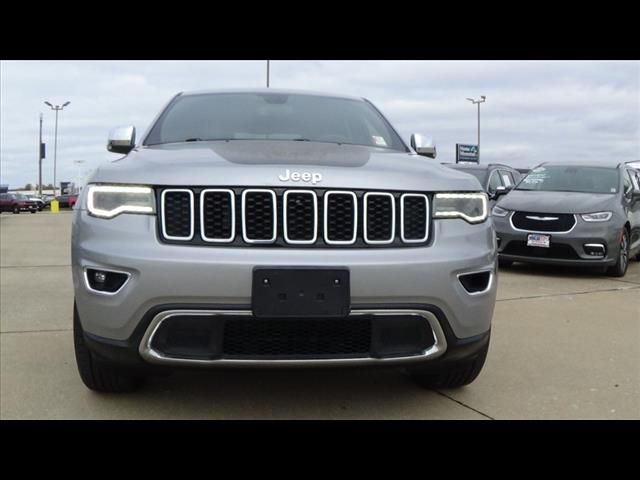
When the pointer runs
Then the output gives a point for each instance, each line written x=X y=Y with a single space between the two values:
x=546 y=222
x=177 y=214
x=259 y=221
x=379 y=218
x=340 y=217
x=217 y=215
x=414 y=214
x=300 y=216
x=282 y=337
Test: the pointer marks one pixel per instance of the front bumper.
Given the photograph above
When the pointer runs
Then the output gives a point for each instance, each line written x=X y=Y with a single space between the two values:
x=163 y=277
x=570 y=248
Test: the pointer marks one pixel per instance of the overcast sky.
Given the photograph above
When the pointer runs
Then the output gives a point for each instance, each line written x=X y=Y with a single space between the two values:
x=535 y=110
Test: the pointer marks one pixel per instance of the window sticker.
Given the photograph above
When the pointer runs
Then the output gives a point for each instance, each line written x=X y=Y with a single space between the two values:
x=379 y=141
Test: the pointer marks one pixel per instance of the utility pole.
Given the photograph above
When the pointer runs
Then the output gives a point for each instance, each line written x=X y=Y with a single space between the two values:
x=40 y=156
x=267 y=73
x=478 y=102
x=57 y=108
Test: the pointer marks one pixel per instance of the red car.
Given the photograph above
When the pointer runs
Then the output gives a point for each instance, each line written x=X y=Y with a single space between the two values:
x=66 y=201
x=16 y=203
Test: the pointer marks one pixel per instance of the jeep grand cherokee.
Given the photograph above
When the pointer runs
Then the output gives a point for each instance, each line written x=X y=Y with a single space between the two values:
x=278 y=228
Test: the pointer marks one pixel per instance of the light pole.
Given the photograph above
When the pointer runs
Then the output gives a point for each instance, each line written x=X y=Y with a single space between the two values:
x=57 y=108
x=40 y=160
x=267 y=73
x=78 y=173
x=478 y=102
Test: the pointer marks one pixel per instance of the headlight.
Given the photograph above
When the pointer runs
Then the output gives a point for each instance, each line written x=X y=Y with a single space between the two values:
x=597 y=217
x=108 y=201
x=471 y=207
x=499 y=212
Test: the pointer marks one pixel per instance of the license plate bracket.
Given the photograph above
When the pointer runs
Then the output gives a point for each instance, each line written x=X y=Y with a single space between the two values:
x=538 y=240
x=300 y=292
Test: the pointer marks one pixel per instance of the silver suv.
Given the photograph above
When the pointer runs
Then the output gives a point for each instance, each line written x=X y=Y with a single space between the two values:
x=278 y=228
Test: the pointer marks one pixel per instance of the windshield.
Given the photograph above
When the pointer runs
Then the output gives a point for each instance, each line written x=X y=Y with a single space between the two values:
x=563 y=178
x=273 y=116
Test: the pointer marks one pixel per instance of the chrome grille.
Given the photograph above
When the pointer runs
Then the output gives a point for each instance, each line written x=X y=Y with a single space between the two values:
x=217 y=215
x=543 y=222
x=177 y=214
x=259 y=219
x=300 y=216
x=293 y=217
x=379 y=218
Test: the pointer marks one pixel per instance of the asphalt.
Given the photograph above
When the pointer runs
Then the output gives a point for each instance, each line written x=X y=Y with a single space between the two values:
x=565 y=345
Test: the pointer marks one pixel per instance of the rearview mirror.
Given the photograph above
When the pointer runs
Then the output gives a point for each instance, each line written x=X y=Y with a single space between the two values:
x=122 y=139
x=423 y=145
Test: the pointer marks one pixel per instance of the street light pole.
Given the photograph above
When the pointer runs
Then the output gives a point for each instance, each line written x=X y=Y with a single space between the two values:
x=478 y=102
x=267 y=73
x=40 y=160
x=57 y=108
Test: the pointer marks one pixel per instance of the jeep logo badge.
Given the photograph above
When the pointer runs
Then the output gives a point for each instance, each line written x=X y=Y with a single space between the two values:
x=301 y=177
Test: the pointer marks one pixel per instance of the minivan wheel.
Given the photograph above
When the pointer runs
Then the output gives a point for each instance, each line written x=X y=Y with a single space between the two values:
x=620 y=268
x=97 y=374
x=453 y=376
x=16 y=210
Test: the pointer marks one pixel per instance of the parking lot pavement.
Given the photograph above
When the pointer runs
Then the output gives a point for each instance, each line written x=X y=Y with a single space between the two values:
x=565 y=344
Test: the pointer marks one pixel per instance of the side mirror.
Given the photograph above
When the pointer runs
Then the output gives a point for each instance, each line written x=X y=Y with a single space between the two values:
x=122 y=139
x=502 y=190
x=423 y=145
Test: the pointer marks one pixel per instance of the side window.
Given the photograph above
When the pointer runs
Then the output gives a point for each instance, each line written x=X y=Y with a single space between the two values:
x=494 y=181
x=628 y=186
x=507 y=179
x=635 y=179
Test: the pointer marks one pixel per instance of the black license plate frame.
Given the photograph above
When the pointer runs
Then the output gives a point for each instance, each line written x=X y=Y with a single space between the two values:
x=301 y=292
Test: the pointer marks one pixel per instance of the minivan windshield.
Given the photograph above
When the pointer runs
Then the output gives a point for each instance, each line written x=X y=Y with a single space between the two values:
x=569 y=178
x=273 y=116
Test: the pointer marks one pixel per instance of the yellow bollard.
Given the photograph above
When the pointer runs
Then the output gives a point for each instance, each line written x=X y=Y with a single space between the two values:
x=55 y=206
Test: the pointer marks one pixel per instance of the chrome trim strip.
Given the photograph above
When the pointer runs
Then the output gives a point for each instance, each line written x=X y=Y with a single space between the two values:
x=426 y=201
x=489 y=283
x=575 y=222
x=596 y=245
x=393 y=218
x=244 y=217
x=326 y=218
x=542 y=219
x=233 y=215
x=315 y=217
x=191 y=220
x=99 y=292
x=153 y=356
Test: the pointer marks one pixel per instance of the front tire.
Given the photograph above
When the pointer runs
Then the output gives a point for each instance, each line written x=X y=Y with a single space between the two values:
x=97 y=374
x=504 y=263
x=455 y=375
x=620 y=268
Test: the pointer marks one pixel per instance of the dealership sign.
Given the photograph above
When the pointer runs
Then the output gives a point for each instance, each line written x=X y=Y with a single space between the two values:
x=466 y=153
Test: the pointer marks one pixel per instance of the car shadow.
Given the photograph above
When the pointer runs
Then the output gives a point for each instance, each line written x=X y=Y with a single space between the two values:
x=555 y=270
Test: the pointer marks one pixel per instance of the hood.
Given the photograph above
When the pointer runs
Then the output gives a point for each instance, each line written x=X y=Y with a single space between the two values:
x=261 y=163
x=557 y=202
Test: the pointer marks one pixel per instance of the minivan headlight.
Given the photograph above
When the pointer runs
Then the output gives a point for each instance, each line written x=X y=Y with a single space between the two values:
x=108 y=201
x=597 y=217
x=499 y=211
x=471 y=207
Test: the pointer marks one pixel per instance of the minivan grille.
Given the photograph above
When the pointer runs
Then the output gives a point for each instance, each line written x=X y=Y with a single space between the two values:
x=543 y=222
x=292 y=217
